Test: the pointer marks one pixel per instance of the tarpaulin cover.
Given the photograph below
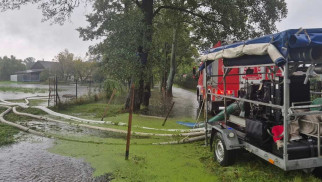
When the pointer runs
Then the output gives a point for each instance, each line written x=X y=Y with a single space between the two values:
x=277 y=46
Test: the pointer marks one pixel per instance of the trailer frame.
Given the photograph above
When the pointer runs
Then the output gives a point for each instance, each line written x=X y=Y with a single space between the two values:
x=286 y=110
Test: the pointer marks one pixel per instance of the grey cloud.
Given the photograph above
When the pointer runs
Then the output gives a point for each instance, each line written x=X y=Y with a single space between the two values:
x=22 y=34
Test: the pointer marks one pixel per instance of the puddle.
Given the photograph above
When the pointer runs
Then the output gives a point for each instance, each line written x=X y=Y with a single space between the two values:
x=29 y=160
x=69 y=130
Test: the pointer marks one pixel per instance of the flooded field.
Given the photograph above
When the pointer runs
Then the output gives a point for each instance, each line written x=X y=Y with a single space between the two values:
x=29 y=159
x=63 y=90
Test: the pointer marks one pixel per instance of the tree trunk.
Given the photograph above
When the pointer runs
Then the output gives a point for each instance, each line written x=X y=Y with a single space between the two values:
x=172 y=61
x=147 y=8
x=138 y=93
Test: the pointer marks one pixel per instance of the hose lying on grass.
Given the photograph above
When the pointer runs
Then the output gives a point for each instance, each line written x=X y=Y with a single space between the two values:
x=23 y=128
x=28 y=130
x=185 y=140
x=73 y=118
x=6 y=103
x=106 y=129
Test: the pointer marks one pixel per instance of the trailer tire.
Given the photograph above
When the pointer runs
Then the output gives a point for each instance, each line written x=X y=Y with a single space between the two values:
x=221 y=155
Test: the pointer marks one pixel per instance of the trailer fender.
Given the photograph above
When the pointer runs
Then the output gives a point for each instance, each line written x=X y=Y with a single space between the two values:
x=229 y=136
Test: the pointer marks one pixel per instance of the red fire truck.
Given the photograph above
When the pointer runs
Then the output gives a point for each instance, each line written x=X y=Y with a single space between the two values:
x=234 y=81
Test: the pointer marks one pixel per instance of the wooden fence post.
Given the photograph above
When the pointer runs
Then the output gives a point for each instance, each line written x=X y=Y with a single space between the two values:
x=127 y=152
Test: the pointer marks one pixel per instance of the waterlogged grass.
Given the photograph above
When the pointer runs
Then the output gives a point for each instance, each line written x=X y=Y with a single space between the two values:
x=21 y=89
x=7 y=134
x=186 y=162
x=20 y=83
x=36 y=102
x=93 y=110
x=30 y=110
x=12 y=117
x=147 y=162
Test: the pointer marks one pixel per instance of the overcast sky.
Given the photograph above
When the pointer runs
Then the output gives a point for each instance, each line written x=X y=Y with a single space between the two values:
x=22 y=33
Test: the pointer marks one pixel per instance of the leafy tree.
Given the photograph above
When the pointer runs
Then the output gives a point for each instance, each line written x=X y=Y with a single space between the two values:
x=83 y=70
x=121 y=57
x=9 y=66
x=66 y=67
x=208 y=20
x=29 y=61
x=44 y=75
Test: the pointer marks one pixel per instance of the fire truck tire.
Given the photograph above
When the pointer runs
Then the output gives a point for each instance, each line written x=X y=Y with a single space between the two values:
x=199 y=99
x=210 y=107
x=221 y=155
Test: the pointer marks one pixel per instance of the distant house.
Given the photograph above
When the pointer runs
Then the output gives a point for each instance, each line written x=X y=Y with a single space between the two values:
x=33 y=75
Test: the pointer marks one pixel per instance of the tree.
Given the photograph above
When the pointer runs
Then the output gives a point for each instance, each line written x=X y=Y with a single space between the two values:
x=9 y=66
x=208 y=20
x=83 y=70
x=121 y=58
x=66 y=67
x=29 y=61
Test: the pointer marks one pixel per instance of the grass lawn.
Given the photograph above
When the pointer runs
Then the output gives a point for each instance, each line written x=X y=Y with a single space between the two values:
x=7 y=134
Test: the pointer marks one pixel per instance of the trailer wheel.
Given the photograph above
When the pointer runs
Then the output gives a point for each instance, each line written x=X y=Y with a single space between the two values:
x=224 y=157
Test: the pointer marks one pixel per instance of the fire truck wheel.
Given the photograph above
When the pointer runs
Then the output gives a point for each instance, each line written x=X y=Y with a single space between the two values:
x=221 y=155
x=209 y=107
x=199 y=99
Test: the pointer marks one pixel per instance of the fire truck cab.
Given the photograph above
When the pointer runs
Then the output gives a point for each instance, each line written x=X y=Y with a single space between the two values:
x=236 y=79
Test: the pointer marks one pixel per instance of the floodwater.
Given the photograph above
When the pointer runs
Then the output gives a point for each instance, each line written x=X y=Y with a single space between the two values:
x=63 y=129
x=62 y=90
x=29 y=160
x=186 y=104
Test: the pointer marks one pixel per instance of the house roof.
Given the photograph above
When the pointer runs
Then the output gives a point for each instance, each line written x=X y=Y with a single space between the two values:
x=44 y=65
x=29 y=71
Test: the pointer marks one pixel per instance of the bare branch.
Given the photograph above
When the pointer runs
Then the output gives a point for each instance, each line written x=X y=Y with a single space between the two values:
x=203 y=17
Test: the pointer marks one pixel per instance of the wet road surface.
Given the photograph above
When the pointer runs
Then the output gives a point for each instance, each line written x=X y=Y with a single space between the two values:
x=186 y=104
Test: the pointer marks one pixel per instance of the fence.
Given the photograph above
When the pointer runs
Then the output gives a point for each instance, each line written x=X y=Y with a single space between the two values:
x=63 y=91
